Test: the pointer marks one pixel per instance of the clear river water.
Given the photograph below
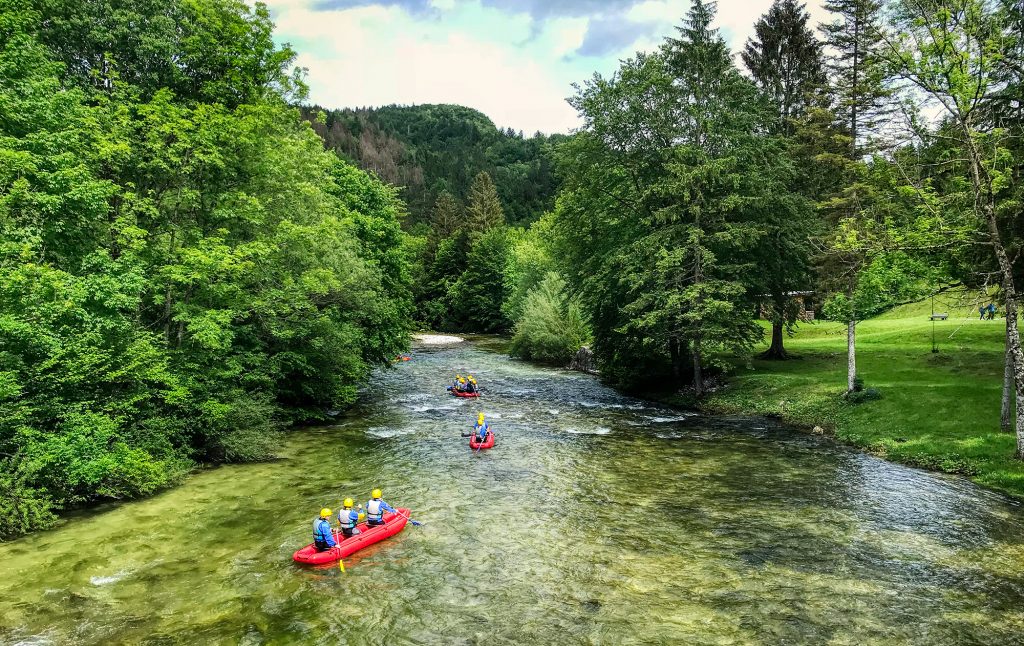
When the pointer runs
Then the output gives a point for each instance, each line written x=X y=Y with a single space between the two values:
x=596 y=519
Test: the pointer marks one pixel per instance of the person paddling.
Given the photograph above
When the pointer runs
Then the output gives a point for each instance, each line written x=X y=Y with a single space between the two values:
x=481 y=429
x=323 y=538
x=471 y=385
x=348 y=518
x=375 y=509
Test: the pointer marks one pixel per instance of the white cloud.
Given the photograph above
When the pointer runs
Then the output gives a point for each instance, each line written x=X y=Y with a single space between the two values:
x=513 y=69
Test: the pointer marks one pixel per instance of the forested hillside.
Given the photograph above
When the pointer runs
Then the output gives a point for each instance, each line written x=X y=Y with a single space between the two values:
x=431 y=149
x=183 y=268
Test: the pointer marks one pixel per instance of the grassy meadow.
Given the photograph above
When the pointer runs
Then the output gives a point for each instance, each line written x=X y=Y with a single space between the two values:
x=937 y=410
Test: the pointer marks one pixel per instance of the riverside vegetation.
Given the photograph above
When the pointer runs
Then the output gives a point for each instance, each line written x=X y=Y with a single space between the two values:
x=186 y=267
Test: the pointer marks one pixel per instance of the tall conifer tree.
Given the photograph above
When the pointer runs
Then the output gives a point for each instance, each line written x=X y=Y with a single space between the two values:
x=785 y=60
x=445 y=219
x=484 y=211
x=858 y=81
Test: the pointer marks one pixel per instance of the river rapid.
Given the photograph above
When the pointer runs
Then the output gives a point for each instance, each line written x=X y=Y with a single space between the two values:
x=596 y=519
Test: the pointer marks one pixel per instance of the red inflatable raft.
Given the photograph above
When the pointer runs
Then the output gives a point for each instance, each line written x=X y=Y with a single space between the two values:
x=393 y=523
x=459 y=393
x=486 y=444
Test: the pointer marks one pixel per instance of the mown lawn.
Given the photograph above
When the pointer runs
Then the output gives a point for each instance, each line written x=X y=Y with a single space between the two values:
x=939 y=411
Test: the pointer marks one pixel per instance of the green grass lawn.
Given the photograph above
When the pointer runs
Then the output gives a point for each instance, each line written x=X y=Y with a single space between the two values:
x=939 y=411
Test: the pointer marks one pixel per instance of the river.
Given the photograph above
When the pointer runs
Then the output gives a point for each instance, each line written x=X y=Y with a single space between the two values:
x=596 y=519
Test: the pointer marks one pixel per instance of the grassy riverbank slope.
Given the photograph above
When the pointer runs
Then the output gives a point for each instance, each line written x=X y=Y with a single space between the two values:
x=939 y=411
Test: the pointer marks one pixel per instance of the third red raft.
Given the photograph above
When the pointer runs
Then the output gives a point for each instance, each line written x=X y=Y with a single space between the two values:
x=486 y=444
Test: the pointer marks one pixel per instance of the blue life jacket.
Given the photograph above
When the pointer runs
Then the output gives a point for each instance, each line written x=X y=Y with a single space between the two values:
x=481 y=431
x=322 y=533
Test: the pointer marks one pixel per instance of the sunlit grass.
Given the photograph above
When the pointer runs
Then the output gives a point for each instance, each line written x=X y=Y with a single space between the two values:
x=938 y=410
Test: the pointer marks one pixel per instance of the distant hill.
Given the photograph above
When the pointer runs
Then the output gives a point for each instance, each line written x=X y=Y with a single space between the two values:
x=430 y=148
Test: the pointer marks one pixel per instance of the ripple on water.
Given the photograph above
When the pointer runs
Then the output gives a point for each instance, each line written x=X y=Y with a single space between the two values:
x=599 y=430
x=384 y=432
x=106 y=580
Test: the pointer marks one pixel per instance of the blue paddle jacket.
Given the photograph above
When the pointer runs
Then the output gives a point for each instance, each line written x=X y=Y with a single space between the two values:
x=322 y=532
x=481 y=431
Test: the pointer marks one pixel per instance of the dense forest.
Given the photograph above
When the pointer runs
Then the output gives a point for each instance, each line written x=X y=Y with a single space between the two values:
x=428 y=150
x=183 y=268
x=189 y=261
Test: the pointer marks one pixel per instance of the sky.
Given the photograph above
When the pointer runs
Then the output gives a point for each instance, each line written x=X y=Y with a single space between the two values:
x=514 y=60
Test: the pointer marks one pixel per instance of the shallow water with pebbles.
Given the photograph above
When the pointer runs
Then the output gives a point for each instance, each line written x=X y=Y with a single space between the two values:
x=597 y=519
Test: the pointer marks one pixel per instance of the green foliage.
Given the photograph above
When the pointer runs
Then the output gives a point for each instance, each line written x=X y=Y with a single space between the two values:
x=666 y=191
x=479 y=293
x=889 y=280
x=183 y=268
x=551 y=327
x=530 y=261
x=432 y=149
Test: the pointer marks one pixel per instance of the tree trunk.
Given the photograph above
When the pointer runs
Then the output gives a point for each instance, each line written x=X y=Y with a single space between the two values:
x=1007 y=409
x=851 y=355
x=1018 y=360
x=676 y=358
x=776 y=351
x=984 y=203
x=851 y=345
x=698 y=375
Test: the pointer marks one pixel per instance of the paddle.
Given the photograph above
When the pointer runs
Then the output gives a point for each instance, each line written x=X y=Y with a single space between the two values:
x=341 y=562
x=481 y=444
x=414 y=522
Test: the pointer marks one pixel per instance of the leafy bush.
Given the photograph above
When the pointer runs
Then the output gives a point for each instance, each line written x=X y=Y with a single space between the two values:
x=552 y=326
x=861 y=396
x=23 y=508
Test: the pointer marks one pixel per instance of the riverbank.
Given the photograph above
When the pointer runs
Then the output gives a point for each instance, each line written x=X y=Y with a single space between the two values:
x=939 y=410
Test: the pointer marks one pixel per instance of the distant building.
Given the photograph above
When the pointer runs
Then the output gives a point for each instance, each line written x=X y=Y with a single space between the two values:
x=805 y=301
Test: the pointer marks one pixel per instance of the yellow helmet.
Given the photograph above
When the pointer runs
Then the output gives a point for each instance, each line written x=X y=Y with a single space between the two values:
x=376 y=493
x=458 y=376
x=480 y=418
x=325 y=513
x=348 y=503
x=462 y=380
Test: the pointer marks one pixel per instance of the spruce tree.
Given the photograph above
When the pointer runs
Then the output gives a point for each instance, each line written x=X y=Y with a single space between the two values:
x=445 y=219
x=785 y=60
x=484 y=211
x=857 y=72
x=693 y=282
x=858 y=81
